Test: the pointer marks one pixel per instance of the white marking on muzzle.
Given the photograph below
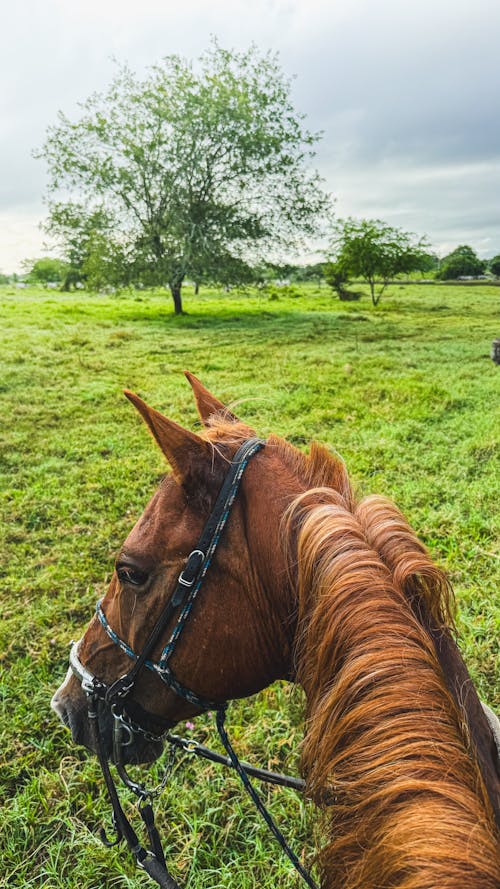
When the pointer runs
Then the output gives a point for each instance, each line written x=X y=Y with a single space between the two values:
x=56 y=702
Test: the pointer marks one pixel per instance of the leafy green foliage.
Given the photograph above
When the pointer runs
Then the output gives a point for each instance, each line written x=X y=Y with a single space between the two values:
x=196 y=170
x=46 y=270
x=311 y=272
x=428 y=262
x=461 y=262
x=86 y=241
x=406 y=394
x=494 y=266
x=372 y=250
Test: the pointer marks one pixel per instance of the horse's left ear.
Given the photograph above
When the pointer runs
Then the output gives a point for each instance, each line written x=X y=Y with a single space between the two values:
x=207 y=403
x=187 y=453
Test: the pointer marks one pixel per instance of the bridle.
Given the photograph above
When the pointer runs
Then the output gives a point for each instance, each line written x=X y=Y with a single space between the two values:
x=114 y=697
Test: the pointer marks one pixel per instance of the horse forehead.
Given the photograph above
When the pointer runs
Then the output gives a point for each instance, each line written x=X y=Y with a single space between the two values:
x=164 y=518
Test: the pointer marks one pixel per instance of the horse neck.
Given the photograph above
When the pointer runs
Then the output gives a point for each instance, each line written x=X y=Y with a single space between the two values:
x=385 y=745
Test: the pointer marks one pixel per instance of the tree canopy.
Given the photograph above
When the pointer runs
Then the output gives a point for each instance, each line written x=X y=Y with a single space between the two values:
x=494 y=265
x=462 y=262
x=194 y=170
x=372 y=250
x=94 y=255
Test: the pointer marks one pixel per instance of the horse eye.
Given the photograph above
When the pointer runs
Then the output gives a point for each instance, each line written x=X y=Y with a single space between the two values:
x=129 y=574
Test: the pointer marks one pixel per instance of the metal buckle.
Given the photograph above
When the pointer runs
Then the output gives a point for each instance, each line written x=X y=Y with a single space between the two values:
x=189 y=583
x=87 y=679
x=119 y=688
x=150 y=856
x=88 y=687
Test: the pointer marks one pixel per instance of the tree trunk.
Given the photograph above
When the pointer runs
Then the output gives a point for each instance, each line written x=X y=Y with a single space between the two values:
x=196 y=288
x=175 y=290
x=376 y=296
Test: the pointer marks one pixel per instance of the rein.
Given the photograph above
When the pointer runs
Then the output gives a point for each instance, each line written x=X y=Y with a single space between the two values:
x=114 y=698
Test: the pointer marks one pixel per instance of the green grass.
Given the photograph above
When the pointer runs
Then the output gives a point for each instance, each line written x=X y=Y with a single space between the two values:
x=406 y=393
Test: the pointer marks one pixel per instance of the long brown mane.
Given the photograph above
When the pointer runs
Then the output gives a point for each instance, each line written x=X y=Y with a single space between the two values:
x=385 y=743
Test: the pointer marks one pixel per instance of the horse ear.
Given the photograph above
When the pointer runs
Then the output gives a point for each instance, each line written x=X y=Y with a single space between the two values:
x=207 y=403
x=185 y=451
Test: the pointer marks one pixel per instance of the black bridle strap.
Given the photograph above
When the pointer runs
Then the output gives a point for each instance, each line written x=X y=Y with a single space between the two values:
x=259 y=805
x=196 y=749
x=152 y=862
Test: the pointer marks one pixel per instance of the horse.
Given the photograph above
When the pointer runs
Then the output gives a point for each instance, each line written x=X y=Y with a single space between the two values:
x=313 y=585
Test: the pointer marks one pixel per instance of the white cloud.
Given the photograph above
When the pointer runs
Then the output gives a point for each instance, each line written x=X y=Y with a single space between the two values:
x=20 y=238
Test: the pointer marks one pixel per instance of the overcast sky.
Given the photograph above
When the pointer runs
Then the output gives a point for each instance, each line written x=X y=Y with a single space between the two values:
x=407 y=95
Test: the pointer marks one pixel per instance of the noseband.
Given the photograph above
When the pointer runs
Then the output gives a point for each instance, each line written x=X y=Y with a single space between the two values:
x=114 y=697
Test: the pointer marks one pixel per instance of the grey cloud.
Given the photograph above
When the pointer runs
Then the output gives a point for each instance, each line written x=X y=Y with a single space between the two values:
x=421 y=78
x=452 y=205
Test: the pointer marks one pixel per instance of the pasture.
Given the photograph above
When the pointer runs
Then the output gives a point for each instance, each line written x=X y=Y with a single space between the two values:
x=405 y=393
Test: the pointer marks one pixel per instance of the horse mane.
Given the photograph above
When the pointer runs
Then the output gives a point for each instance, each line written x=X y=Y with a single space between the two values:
x=386 y=751
x=319 y=467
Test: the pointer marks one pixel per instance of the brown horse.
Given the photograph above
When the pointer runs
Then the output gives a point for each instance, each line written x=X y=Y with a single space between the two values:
x=340 y=596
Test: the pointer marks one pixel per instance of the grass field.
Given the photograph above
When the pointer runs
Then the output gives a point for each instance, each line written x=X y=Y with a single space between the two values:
x=406 y=393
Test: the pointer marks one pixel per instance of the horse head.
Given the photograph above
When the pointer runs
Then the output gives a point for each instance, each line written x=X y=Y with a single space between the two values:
x=240 y=634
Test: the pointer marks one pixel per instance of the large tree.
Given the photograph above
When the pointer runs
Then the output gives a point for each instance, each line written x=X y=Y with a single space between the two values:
x=198 y=169
x=375 y=251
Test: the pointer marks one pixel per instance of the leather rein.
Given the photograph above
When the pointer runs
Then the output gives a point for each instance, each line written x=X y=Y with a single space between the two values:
x=114 y=698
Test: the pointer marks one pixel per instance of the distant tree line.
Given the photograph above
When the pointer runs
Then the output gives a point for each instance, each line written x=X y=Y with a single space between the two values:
x=375 y=269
